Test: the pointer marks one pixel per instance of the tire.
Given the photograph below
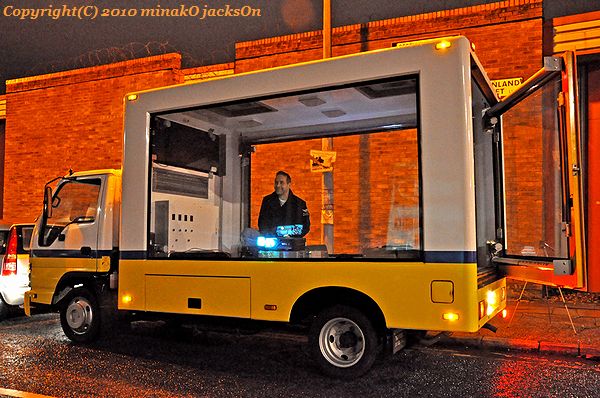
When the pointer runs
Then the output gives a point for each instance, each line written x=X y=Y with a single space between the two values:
x=343 y=342
x=4 y=309
x=80 y=316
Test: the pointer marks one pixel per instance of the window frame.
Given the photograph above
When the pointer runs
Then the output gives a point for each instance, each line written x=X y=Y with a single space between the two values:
x=248 y=142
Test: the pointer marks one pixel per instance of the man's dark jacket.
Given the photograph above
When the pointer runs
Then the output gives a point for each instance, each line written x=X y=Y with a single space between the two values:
x=272 y=214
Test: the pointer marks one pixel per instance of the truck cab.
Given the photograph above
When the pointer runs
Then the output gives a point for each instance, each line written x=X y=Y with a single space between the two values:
x=76 y=238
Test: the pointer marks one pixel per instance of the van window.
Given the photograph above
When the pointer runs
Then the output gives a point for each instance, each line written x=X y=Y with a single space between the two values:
x=26 y=239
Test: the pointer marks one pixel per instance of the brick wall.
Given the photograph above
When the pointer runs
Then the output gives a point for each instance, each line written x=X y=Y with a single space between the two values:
x=2 y=107
x=594 y=175
x=507 y=36
x=508 y=40
x=2 y=142
x=72 y=120
x=2 y=124
x=208 y=72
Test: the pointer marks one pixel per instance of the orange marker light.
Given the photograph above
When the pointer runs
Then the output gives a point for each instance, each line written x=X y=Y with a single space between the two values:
x=126 y=299
x=450 y=316
x=481 y=309
x=132 y=97
x=504 y=313
x=270 y=307
x=442 y=45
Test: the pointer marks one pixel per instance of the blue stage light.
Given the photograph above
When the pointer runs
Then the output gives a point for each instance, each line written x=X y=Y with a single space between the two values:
x=267 y=243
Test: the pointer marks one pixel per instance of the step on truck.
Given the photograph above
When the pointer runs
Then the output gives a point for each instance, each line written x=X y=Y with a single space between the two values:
x=399 y=154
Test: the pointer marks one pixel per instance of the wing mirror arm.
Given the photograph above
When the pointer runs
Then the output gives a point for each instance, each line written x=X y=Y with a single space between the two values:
x=46 y=214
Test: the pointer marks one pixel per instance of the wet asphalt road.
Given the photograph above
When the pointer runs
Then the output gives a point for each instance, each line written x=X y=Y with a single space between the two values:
x=152 y=361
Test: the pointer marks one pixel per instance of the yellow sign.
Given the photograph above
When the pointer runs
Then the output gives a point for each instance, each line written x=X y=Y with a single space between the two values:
x=505 y=87
x=321 y=161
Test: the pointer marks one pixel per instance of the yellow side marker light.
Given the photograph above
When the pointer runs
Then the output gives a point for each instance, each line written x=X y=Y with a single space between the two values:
x=270 y=307
x=132 y=97
x=504 y=313
x=126 y=299
x=491 y=298
x=492 y=301
x=442 y=45
x=450 y=316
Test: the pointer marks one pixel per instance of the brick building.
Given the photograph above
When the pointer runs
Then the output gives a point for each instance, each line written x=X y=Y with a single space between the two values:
x=74 y=119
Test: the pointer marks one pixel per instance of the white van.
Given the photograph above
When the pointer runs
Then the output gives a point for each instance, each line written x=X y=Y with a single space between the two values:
x=14 y=266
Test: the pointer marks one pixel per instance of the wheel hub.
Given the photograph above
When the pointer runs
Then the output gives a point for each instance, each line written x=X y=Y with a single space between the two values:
x=342 y=342
x=348 y=339
x=79 y=315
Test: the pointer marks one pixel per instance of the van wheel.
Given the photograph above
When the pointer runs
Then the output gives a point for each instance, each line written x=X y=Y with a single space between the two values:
x=4 y=308
x=343 y=342
x=80 y=316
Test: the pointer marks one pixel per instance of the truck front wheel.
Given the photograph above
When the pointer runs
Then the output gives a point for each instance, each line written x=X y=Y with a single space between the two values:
x=80 y=316
x=343 y=342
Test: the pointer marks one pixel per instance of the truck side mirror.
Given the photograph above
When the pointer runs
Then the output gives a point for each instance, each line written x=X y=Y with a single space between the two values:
x=46 y=213
x=47 y=202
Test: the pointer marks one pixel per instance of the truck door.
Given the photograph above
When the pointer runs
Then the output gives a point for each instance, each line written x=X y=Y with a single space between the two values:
x=70 y=233
x=543 y=233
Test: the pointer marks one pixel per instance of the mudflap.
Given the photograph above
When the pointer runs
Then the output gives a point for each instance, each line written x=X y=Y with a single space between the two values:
x=34 y=309
x=27 y=302
x=395 y=341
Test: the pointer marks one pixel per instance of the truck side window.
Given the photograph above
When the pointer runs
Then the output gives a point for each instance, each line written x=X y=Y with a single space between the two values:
x=75 y=199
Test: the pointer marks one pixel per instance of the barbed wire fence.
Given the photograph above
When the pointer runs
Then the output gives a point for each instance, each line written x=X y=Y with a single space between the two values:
x=127 y=52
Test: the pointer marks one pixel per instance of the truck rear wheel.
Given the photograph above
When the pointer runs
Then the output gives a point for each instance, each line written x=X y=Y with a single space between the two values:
x=343 y=342
x=80 y=316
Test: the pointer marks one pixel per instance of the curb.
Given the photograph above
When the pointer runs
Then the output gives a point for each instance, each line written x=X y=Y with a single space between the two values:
x=588 y=310
x=589 y=352
x=559 y=348
x=501 y=343
x=510 y=344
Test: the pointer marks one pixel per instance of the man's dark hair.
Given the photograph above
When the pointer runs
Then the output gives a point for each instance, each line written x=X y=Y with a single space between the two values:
x=286 y=175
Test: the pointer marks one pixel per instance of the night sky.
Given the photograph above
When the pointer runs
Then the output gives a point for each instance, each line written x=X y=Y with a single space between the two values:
x=51 y=43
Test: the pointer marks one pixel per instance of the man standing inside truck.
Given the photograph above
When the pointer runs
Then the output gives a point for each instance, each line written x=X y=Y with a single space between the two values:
x=282 y=208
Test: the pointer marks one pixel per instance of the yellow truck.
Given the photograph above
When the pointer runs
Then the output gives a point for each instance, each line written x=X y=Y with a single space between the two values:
x=417 y=238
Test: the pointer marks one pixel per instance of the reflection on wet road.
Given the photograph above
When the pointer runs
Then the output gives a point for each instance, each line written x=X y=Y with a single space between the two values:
x=152 y=361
